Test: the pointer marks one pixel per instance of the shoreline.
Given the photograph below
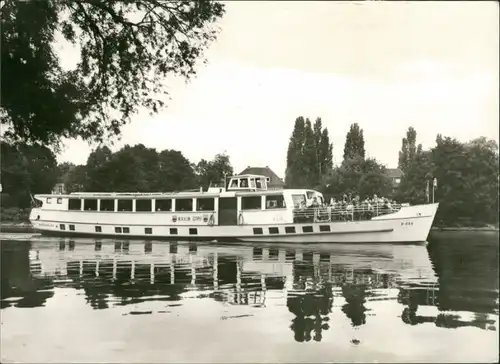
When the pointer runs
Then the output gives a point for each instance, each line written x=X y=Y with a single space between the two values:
x=464 y=228
x=25 y=227
x=20 y=227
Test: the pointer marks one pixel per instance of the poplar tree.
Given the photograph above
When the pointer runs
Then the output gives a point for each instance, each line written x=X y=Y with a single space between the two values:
x=294 y=161
x=325 y=154
x=317 y=146
x=409 y=150
x=355 y=143
x=324 y=151
x=309 y=155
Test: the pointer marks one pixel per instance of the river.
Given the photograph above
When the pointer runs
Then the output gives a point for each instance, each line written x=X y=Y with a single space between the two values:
x=82 y=300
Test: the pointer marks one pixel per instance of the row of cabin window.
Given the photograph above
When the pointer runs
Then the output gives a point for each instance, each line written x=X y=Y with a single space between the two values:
x=181 y=204
x=248 y=182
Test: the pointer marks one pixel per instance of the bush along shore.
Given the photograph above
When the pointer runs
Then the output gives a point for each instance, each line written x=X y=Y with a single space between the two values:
x=15 y=220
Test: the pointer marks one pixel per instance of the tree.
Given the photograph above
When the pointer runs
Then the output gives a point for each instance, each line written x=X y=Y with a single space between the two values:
x=418 y=173
x=482 y=182
x=374 y=179
x=26 y=170
x=133 y=169
x=213 y=171
x=175 y=171
x=41 y=165
x=325 y=154
x=354 y=143
x=357 y=176
x=97 y=170
x=309 y=156
x=202 y=172
x=466 y=173
x=408 y=149
x=75 y=179
x=127 y=48
x=15 y=177
x=450 y=164
x=317 y=132
x=63 y=169
x=345 y=178
x=295 y=168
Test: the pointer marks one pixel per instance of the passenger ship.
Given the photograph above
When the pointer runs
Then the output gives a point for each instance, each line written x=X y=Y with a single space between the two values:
x=244 y=209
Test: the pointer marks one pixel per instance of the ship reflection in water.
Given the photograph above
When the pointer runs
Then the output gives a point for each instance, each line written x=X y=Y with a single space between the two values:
x=312 y=289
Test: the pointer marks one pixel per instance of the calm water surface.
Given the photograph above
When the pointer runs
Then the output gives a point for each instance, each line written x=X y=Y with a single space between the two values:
x=84 y=300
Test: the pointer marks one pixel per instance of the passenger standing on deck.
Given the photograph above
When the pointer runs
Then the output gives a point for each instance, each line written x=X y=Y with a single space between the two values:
x=315 y=203
x=356 y=207
x=343 y=207
x=365 y=209
x=375 y=204
x=333 y=208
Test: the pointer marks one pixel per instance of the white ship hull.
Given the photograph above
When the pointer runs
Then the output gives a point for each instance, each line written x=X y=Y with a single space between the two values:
x=409 y=225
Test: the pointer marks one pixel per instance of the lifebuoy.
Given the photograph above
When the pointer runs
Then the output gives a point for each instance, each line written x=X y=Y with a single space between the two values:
x=240 y=219
x=211 y=220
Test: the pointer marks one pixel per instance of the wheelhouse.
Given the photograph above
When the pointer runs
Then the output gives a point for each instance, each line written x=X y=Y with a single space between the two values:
x=247 y=182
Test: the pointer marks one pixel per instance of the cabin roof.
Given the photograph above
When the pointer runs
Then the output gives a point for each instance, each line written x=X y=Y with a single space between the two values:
x=275 y=181
x=126 y=196
x=247 y=175
x=159 y=195
x=394 y=172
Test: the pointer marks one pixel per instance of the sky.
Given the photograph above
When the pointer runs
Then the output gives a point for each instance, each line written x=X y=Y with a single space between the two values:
x=385 y=65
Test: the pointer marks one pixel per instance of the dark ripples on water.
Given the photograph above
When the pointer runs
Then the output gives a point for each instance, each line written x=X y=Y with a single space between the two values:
x=455 y=274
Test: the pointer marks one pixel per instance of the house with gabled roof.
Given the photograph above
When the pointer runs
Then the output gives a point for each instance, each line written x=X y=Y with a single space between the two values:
x=273 y=180
x=395 y=174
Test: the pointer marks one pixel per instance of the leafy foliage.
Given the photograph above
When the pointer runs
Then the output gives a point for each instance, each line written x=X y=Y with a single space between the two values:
x=64 y=168
x=135 y=169
x=482 y=167
x=358 y=176
x=175 y=171
x=127 y=48
x=309 y=156
x=213 y=171
x=33 y=169
x=413 y=187
x=467 y=179
x=15 y=176
x=409 y=150
x=295 y=169
x=354 y=143
x=98 y=170
x=26 y=170
x=325 y=151
x=75 y=178
x=41 y=165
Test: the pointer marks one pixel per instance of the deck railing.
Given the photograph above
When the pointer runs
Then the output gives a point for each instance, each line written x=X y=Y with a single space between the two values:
x=349 y=213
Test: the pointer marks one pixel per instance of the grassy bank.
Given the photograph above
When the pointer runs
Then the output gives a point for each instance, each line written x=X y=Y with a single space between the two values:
x=465 y=228
x=15 y=220
x=14 y=215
